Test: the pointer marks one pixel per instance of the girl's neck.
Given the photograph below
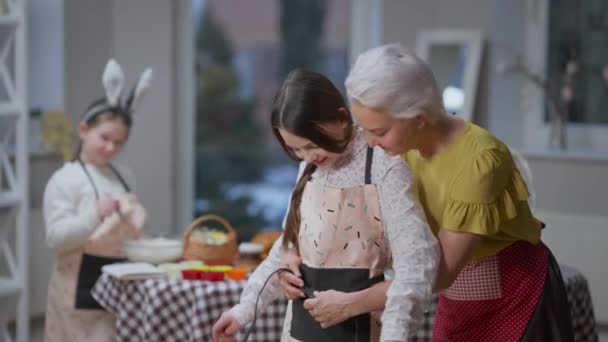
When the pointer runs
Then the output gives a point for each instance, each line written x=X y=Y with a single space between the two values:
x=85 y=159
x=346 y=155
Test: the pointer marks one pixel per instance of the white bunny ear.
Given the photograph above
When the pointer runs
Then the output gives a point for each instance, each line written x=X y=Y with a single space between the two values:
x=113 y=81
x=138 y=90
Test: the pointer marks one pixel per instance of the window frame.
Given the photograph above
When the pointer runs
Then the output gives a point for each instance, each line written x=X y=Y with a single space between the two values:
x=582 y=137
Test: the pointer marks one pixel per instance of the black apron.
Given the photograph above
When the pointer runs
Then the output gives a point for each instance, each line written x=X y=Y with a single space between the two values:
x=90 y=265
x=305 y=328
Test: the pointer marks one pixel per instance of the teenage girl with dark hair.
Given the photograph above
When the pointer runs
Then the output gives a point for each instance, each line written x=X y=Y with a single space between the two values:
x=353 y=211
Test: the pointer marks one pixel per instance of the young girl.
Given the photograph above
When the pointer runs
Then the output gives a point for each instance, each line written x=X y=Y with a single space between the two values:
x=352 y=212
x=89 y=209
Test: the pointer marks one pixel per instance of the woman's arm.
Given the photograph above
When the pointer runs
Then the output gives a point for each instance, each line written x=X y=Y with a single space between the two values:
x=456 y=251
x=459 y=247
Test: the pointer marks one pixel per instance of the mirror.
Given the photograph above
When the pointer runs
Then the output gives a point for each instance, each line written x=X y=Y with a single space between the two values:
x=454 y=56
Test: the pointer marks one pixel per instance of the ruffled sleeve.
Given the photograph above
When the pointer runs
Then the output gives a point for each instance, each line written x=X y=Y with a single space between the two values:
x=487 y=193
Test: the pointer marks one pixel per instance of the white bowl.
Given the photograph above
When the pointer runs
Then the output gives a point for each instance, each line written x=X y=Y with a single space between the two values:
x=153 y=250
x=250 y=248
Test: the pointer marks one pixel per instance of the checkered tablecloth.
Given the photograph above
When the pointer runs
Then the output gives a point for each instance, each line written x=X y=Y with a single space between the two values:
x=581 y=307
x=173 y=310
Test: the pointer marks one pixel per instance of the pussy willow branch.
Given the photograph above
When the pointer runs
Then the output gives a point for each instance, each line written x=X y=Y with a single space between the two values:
x=545 y=86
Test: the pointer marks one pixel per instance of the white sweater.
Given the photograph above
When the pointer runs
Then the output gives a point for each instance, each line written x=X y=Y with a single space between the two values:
x=69 y=203
x=414 y=248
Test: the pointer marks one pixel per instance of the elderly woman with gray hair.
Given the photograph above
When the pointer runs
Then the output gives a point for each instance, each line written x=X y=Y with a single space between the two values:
x=497 y=280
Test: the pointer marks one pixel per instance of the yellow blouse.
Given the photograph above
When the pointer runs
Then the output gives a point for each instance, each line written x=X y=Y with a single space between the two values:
x=474 y=186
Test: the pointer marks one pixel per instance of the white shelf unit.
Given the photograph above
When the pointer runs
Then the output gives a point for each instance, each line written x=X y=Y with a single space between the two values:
x=14 y=170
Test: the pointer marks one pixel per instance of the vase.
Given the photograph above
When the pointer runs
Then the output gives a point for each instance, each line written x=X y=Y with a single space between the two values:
x=557 y=135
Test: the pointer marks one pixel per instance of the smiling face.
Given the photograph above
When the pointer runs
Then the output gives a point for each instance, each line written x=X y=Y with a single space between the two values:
x=310 y=152
x=310 y=120
x=102 y=141
x=395 y=136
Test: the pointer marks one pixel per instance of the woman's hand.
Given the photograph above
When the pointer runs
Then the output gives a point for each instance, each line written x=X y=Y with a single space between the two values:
x=225 y=329
x=106 y=206
x=329 y=307
x=292 y=283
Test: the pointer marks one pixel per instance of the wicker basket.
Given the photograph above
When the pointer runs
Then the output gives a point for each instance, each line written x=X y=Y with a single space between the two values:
x=196 y=249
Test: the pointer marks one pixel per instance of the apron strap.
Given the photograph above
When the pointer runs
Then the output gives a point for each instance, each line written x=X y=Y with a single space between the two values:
x=114 y=170
x=368 y=165
x=120 y=178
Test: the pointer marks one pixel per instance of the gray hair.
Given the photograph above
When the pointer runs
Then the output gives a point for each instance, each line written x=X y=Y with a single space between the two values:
x=391 y=78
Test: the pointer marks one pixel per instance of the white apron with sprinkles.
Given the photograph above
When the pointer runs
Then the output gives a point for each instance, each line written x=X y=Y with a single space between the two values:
x=341 y=230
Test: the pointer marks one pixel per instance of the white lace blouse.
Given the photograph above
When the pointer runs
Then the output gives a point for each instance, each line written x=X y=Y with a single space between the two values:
x=414 y=248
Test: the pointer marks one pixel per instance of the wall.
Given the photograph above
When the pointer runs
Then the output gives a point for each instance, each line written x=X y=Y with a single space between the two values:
x=87 y=44
x=142 y=35
x=570 y=190
x=572 y=185
x=571 y=199
x=138 y=33
x=403 y=19
x=69 y=44
x=505 y=117
x=45 y=53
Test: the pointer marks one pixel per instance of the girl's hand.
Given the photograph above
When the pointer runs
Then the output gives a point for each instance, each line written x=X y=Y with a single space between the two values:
x=132 y=197
x=292 y=283
x=329 y=307
x=133 y=214
x=125 y=205
x=106 y=206
x=225 y=329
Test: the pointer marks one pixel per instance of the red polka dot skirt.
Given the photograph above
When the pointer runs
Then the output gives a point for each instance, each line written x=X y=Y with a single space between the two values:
x=493 y=298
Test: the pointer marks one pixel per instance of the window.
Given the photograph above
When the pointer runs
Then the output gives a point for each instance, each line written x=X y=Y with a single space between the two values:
x=568 y=30
x=578 y=34
x=243 y=51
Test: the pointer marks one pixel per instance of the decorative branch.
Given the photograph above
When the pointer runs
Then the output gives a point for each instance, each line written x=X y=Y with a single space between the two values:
x=558 y=102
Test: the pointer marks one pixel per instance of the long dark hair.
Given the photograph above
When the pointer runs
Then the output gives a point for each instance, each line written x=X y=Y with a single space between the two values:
x=111 y=113
x=305 y=102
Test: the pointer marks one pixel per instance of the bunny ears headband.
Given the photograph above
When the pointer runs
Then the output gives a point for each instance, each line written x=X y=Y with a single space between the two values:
x=113 y=80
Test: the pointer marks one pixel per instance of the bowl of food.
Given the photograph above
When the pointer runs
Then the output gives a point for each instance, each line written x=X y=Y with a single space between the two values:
x=153 y=250
x=266 y=239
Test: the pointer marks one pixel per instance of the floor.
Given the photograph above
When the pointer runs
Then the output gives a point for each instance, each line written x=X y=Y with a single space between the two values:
x=37 y=330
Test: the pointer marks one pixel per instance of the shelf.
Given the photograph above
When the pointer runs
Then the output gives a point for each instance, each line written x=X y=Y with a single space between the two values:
x=13 y=111
x=568 y=155
x=8 y=199
x=9 y=287
x=9 y=109
x=8 y=20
